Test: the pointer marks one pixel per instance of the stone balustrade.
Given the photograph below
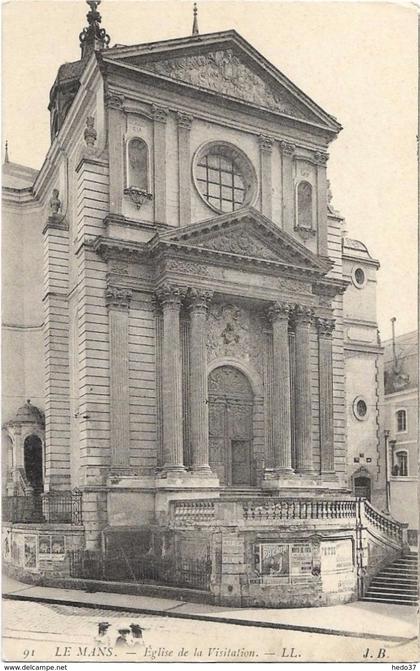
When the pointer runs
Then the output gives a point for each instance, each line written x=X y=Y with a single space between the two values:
x=386 y=526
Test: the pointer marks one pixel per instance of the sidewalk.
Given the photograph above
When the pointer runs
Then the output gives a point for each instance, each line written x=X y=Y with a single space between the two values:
x=358 y=619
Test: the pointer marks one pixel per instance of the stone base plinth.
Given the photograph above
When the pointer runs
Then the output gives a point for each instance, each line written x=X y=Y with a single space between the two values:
x=294 y=483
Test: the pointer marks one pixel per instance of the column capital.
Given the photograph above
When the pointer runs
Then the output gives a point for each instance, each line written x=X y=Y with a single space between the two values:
x=117 y=298
x=184 y=120
x=199 y=299
x=325 y=327
x=303 y=314
x=287 y=148
x=321 y=157
x=114 y=101
x=279 y=311
x=171 y=296
x=266 y=143
x=160 y=113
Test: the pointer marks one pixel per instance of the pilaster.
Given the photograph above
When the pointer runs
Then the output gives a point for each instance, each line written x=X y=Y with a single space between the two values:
x=326 y=409
x=266 y=149
x=303 y=412
x=288 y=189
x=114 y=104
x=160 y=115
x=198 y=303
x=320 y=159
x=184 y=168
x=118 y=302
x=56 y=344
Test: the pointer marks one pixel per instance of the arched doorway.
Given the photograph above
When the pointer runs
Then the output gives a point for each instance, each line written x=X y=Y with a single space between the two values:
x=32 y=453
x=362 y=487
x=230 y=426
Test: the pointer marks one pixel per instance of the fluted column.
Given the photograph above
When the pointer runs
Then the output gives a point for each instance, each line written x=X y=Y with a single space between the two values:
x=170 y=298
x=288 y=188
x=118 y=303
x=184 y=167
x=198 y=302
x=278 y=314
x=160 y=115
x=303 y=410
x=320 y=159
x=326 y=417
x=114 y=104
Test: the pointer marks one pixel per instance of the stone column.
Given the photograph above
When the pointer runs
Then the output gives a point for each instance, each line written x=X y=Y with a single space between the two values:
x=170 y=298
x=198 y=302
x=288 y=187
x=320 y=159
x=266 y=149
x=114 y=104
x=184 y=168
x=118 y=302
x=278 y=314
x=160 y=115
x=326 y=414
x=303 y=409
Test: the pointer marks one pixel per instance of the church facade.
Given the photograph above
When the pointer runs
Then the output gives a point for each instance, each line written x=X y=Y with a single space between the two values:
x=201 y=350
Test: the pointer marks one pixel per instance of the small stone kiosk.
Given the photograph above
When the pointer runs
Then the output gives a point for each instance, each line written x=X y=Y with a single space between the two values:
x=194 y=343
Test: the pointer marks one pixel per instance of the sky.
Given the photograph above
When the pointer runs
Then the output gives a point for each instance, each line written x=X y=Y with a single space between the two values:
x=356 y=60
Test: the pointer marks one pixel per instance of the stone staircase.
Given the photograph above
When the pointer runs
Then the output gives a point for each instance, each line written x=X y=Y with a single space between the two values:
x=396 y=583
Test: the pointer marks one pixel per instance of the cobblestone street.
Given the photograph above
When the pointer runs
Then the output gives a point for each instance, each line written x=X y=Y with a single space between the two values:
x=51 y=632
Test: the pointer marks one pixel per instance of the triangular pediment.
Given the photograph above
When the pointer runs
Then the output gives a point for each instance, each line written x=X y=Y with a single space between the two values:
x=245 y=234
x=227 y=65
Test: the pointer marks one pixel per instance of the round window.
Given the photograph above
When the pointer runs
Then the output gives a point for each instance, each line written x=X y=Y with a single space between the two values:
x=359 y=277
x=360 y=408
x=224 y=177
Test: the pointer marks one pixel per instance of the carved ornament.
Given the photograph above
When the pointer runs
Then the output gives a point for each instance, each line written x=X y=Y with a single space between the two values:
x=90 y=133
x=239 y=242
x=179 y=265
x=114 y=101
x=55 y=204
x=321 y=157
x=224 y=72
x=325 y=327
x=184 y=120
x=233 y=331
x=280 y=311
x=287 y=148
x=266 y=143
x=160 y=113
x=138 y=196
x=303 y=314
x=199 y=299
x=171 y=296
x=118 y=298
x=304 y=232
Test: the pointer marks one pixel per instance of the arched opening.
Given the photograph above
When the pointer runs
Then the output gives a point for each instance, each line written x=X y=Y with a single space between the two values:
x=231 y=406
x=362 y=487
x=137 y=164
x=32 y=454
x=304 y=205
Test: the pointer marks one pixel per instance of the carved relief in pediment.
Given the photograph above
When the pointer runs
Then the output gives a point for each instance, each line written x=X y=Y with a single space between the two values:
x=239 y=242
x=224 y=72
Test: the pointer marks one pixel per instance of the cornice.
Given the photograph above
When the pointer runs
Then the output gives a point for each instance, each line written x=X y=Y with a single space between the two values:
x=111 y=248
x=121 y=220
x=360 y=260
x=329 y=287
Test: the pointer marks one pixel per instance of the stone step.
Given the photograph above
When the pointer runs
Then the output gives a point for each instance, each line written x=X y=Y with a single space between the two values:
x=397 y=591
x=401 y=602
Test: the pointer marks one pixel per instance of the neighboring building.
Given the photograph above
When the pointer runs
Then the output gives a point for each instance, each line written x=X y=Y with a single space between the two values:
x=212 y=382
x=401 y=420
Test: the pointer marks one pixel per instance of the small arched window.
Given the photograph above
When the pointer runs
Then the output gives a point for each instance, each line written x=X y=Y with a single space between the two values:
x=137 y=156
x=401 y=464
x=304 y=205
x=401 y=421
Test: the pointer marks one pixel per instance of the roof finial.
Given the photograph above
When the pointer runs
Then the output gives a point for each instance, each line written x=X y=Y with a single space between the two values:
x=195 y=30
x=6 y=152
x=93 y=37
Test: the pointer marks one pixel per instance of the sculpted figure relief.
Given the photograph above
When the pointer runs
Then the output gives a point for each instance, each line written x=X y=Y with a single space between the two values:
x=224 y=72
x=235 y=332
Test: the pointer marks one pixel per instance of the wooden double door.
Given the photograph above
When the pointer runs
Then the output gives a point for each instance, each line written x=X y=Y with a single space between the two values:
x=231 y=427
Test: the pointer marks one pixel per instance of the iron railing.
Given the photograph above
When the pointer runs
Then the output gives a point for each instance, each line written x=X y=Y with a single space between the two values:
x=149 y=569
x=63 y=507
x=51 y=507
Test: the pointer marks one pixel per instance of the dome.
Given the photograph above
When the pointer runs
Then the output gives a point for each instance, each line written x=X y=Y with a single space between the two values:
x=29 y=413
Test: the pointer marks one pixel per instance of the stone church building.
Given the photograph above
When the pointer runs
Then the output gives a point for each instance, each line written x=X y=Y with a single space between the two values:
x=192 y=369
